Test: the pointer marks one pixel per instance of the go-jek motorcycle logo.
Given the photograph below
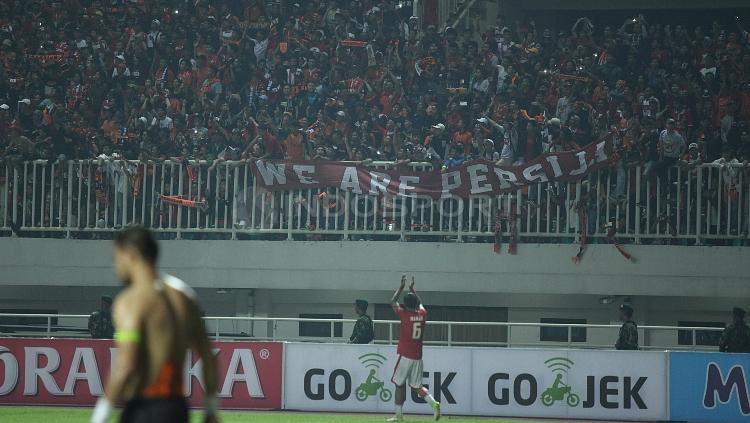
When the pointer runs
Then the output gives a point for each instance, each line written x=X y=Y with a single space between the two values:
x=372 y=386
x=560 y=391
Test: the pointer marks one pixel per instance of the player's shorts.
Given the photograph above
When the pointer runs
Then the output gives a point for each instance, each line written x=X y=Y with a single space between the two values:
x=162 y=410
x=408 y=371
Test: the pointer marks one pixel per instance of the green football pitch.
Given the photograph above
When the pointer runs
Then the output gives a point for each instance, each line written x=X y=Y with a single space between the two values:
x=82 y=415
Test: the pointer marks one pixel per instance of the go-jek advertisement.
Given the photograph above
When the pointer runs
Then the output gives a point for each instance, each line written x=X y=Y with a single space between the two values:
x=607 y=385
x=357 y=378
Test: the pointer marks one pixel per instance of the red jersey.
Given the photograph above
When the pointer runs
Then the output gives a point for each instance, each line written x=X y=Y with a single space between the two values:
x=412 y=332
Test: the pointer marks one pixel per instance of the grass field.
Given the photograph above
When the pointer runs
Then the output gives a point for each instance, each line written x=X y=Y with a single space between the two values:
x=82 y=415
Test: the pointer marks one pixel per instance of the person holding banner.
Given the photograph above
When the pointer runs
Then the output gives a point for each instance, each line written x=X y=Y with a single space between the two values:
x=409 y=366
x=157 y=319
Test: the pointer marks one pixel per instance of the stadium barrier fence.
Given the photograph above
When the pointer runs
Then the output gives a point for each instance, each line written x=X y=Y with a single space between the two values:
x=200 y=200
x=439 y=333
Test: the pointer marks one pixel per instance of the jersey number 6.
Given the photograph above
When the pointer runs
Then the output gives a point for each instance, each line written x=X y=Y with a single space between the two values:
x=416 y=331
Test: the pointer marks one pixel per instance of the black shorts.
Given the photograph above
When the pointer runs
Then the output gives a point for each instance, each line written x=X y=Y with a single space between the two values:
x=171 y=410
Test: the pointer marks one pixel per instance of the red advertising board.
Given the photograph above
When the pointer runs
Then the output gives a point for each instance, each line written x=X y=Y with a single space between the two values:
x=75 y=371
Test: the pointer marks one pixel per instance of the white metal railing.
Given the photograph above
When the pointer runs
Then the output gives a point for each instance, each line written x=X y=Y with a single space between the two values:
x=438 y=333
x=76 y=198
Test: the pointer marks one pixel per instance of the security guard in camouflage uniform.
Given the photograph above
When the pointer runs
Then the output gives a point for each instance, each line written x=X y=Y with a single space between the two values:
x=736 y=337
x=363 y=332
x=628 y=338
x=100 y=322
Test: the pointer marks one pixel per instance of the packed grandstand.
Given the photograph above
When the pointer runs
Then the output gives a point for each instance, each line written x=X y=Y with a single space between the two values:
x=562 y=188
x=202 y=84
x=201 y=80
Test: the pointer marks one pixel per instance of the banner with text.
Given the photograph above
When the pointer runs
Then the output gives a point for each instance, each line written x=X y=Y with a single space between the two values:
x=357 y=378
x=606 y=385
x=709 y=387
x=575 y=384
x=75 y=371
x=469 y=179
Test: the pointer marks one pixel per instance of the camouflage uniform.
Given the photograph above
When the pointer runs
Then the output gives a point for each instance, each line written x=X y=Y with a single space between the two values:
x=628 y=338
x=363 y=332
x=100 y=325
x=735 y=338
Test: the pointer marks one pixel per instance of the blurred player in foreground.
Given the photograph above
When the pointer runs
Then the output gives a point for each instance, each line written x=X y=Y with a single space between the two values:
x=157 y=319
x=409 y=366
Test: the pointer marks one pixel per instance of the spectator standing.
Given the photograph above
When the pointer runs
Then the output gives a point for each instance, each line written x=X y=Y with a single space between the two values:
x=628 y=337
x=510 y=145
x=487 y=151
x=363 y=332
x=454 y=157
x=463 y=137
x=693 y=157
x=671 y=148
x=100 y=321
x=736 y=337
x=294 y=144
x=437 y=140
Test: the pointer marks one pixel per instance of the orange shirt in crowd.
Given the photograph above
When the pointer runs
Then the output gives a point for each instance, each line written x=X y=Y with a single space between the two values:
x=294 y=146
x=463 y=138
x=187 y=78
x=387 y=100
x=175 y=105
x=112 y=129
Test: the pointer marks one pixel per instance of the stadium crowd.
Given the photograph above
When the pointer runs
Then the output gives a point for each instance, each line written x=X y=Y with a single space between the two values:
x=361 y=80
x=334 y=80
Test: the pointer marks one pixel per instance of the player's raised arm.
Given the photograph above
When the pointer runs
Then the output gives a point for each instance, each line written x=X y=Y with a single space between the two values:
x=413 y=291
x=202 y=346
x=397 y=294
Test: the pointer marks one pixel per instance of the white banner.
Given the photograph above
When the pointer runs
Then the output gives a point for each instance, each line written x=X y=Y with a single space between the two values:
x=570 y=384
x=482 y=381
x=328 y=377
